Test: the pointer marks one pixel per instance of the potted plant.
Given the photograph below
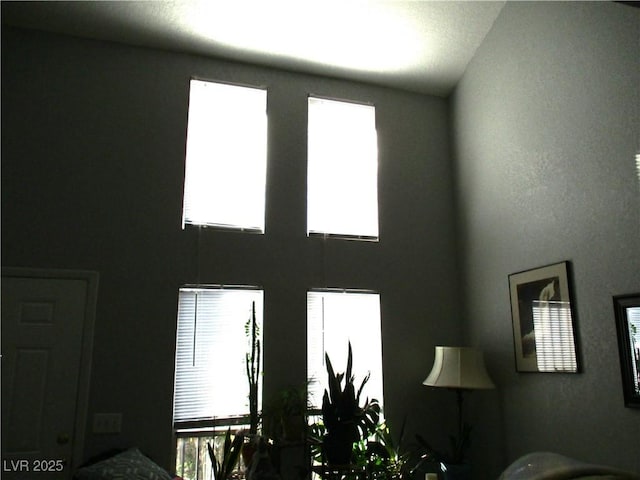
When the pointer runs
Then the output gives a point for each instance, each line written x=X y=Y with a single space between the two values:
x=386 y=458
x=346 y=422
x=285 y=416
x=295 y=404
x=224 y=466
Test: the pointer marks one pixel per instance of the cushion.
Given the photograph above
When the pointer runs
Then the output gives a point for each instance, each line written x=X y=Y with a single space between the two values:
x=553 y=466
x=130 y=465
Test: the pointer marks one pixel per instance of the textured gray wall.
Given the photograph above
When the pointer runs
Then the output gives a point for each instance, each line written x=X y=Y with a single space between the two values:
x=93 y=140
x=546 y=128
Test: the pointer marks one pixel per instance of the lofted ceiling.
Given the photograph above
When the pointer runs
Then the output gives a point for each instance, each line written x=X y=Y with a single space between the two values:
x=419 y=45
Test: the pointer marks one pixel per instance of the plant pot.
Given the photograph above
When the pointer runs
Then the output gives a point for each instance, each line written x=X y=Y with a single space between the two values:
x=337 y=449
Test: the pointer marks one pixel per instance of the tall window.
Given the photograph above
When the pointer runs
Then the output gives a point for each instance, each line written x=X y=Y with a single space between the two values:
x=226 y=159
x=211 y=385
x=333 y=320
x=342 y=182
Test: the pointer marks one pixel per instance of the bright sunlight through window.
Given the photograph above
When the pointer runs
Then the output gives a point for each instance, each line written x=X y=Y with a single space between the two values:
x=333 y=320
x=342 y=177
x=226 y=160
x=555 y=350
x=633 y=314
x=211 y=343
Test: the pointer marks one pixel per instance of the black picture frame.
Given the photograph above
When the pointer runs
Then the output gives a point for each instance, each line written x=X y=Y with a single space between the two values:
x=543 y=313
x=627 y=316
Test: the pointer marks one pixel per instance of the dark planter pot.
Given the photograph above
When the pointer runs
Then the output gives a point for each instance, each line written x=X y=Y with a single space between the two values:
x=337 y=449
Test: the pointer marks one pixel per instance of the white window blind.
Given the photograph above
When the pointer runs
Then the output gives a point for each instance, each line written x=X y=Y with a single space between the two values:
x=211 y=344
x=333 y=320
x=226 y=158
x=555 y=344
x=633 y=315
x=342 y=176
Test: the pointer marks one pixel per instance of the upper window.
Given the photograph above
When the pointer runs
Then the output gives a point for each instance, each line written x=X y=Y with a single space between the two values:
x=342 y=176
x=211 y=383
x=335 y=319
x=226 y=158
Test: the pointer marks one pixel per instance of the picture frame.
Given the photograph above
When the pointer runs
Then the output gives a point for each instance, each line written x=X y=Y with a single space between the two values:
x=543 y=317
x=627 y=317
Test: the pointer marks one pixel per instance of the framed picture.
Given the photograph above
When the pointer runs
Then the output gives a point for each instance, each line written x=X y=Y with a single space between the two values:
x=543 y=320
x=627 y=314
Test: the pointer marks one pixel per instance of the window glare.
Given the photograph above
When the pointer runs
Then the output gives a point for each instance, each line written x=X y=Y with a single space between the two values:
x=342 y=195
x=333 y=320
x=633 y=315
x=226 y=158
x=555 y=350
x=211 y=343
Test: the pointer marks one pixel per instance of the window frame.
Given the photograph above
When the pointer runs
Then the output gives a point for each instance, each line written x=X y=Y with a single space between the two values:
x=204 y=426
x=316 y=406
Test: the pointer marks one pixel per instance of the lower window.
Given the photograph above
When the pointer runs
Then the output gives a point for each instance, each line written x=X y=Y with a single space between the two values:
x=336 y=319
x=211 y=391
x=192 y=455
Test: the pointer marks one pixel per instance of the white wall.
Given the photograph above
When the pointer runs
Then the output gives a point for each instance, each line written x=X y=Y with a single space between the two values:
x=546 y=128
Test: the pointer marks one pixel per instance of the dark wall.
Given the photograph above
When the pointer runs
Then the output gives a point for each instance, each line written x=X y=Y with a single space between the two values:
x=93 y=141
x=546 y=123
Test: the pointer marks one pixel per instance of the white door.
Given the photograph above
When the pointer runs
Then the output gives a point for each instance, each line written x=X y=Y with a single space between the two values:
x=47 y=330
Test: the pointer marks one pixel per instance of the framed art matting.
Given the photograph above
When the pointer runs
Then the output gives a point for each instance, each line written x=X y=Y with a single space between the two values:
x=627 y=314
x=543 y=320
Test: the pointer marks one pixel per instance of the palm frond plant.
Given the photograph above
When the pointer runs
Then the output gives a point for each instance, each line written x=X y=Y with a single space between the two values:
x=315 y=436
x=386 y=458
x=224 y=466
x=346 y=422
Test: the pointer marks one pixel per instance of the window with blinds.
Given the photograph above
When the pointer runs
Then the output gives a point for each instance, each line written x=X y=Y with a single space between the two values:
x=226 y=156
x=342 y=174
x=554 y=337
x=211 y=385
x=333 y=320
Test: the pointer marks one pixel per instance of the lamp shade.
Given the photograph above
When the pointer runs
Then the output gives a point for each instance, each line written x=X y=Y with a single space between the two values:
x=459 y=367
